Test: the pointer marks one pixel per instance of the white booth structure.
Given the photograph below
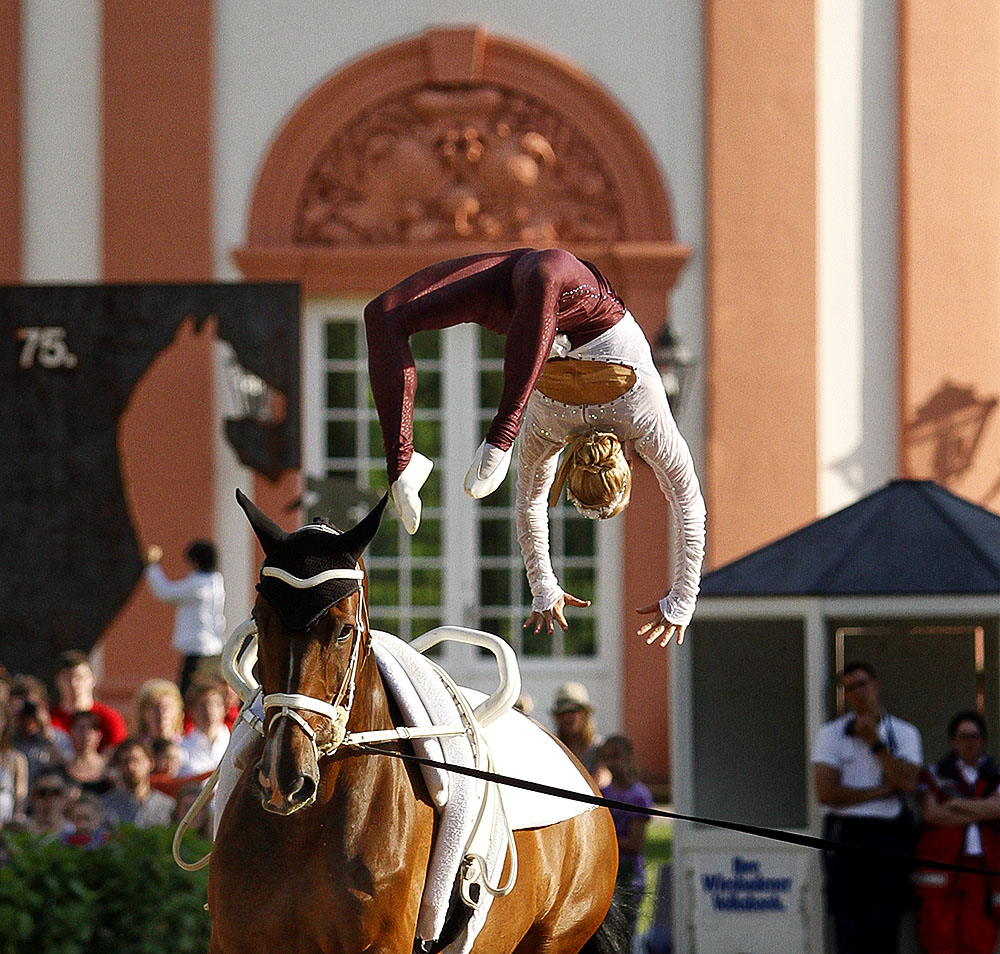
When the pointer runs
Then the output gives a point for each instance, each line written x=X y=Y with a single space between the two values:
x=907 y=579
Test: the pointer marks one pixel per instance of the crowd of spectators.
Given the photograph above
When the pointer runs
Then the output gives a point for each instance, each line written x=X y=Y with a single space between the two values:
x=72 y=767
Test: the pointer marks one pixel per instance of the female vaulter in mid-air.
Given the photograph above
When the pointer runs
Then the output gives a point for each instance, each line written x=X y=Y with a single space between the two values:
x=591 y=390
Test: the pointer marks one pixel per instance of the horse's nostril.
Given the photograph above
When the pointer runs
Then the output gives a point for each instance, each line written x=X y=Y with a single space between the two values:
x=304 y=790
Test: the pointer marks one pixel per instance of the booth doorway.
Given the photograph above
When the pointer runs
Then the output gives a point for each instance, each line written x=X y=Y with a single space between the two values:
x=929 y=670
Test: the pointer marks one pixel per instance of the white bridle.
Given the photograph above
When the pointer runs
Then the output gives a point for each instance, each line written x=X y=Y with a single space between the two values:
x=338 y=711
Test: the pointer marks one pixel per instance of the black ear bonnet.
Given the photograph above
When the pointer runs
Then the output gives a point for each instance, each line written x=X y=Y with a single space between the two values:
x=291 y=576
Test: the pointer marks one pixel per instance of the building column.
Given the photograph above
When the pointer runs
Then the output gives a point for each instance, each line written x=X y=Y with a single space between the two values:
x=761 y=386
x=950 y=211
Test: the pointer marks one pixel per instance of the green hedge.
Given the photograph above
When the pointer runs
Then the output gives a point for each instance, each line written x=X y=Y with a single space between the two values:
x=127 y=896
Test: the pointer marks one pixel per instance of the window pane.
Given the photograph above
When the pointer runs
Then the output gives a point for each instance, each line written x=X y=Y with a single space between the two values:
x=341 y=340
x=421 y=624
x=579 y=537
x=341 y=439
x=378 y=480
x=386 y=542
x=581 y=638
x=340 y=387
x=498 y=626
x=426 y=344
x=579 y=581
x=430 y=493
x=490 y=388
x=503 y=496
x=428 y=390
x=493 y=537
x=536 y=644
x=427 y=542
x=383 y=588
x=491 y=345
x=494 y=587
x=425 y=587
x=427 y=438
x=387 y=623
x=375 y=445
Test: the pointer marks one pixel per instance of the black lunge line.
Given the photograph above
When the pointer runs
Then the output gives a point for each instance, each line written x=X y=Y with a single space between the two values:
x=805 y=841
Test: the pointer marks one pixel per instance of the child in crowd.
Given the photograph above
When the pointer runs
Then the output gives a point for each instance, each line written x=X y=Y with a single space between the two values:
x=630 y=827
x=88 y=825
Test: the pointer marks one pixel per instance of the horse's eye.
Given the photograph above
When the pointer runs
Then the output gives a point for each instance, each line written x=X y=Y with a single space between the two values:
x=346 y=631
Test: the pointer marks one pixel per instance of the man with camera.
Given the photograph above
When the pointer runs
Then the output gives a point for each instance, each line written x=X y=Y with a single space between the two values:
x=864 y=764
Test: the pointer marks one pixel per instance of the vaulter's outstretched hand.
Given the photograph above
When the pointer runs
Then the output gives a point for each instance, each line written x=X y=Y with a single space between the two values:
x=660 y=628
x=550 y=617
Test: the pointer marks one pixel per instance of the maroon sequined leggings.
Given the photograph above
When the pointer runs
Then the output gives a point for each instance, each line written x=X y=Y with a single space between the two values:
x=511 y=293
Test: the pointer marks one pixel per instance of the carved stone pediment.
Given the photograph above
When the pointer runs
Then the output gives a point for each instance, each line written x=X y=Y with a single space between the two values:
x=439 y=164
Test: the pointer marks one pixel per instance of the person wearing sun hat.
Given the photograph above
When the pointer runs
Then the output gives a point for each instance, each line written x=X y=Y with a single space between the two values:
x=576 y=726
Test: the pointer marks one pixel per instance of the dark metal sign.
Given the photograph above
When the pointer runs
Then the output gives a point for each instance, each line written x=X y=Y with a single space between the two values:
x=70 y=358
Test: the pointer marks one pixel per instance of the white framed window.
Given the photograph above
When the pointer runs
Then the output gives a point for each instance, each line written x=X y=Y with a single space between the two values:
x=463 y=566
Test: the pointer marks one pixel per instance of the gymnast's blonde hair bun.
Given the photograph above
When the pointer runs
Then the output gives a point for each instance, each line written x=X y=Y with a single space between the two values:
x=596 y=473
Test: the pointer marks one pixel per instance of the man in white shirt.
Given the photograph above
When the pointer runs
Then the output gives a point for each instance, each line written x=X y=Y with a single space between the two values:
x=199 y=623
x=864 y=763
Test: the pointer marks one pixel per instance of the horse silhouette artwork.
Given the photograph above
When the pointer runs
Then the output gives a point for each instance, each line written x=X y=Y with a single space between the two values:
x=326 y=846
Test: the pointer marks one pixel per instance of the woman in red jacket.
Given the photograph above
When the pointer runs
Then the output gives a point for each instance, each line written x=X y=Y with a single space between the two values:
x=961 y=806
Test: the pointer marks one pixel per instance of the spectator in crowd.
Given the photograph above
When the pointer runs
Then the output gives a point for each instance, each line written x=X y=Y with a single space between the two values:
x=630 y=827
x=88 y=767
x=960 y=807
x=168 y=760
x=88 y=827
x=205 y=743
x=13 y=774
x=576 y=728
x=75 y=682
x=49 y=799
x=44 y=745
x=134 y=800
x=6 y=686
x=199 y=622
x=159 y=709
x=864 y=763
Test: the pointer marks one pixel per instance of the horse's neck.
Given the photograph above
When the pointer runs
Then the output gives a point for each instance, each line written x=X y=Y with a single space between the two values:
x=371 y=708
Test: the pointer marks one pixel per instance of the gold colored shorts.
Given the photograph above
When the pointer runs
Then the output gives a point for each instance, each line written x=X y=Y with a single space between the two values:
x=575 y=381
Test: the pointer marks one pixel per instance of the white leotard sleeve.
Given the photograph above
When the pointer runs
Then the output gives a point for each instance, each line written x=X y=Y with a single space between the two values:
x=537 y=461
x=660 y=444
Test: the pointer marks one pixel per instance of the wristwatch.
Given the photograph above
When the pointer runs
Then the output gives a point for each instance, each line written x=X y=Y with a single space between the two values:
x=877 y=747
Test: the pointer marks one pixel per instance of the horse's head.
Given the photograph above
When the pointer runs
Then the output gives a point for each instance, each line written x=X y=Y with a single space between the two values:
x=312 y=635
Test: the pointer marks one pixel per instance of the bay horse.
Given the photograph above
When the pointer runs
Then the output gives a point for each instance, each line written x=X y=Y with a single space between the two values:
x=324 y=850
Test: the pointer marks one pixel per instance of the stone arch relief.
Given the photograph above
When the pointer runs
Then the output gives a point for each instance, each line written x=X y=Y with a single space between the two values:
x=487 y=164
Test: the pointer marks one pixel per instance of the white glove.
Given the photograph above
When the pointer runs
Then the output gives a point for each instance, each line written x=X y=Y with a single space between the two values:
x=489 y=467
x=405 y=491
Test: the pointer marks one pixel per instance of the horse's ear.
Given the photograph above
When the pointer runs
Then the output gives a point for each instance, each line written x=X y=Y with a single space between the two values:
x=268 y=532
x=355 y=541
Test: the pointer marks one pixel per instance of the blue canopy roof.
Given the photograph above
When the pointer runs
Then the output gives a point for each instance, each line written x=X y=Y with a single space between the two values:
x=912 y=536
